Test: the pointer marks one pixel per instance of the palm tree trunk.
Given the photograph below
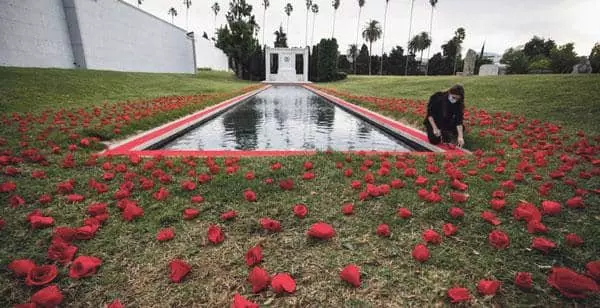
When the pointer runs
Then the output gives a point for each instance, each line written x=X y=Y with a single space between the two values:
x=312 y=36
x=357 y=31
x=370 y=52
x=333 y=28
x=264 y=16
x=172 y=16
x=421 y=61
x=412 y=6
x=430 y=37
x=383 y=38
x=187 y=19
x=287 y=30
x=306 y=30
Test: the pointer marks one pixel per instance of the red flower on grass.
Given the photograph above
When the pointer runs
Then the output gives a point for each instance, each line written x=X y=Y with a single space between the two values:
x=458 y=295
x=241 y=302
x=308 y=165
x=259 y=279
x=84 y=266
x=488 y=287
x=527 y=211
x=270 y=224
x=39 y=221
x=188 y=185
x=404 y=213
x=431 y=237
x=497 y=204
x=321 y=230
x=308 y=176
x=449 y=229
x=161 y=194
x=286 y=184
x=456 y=212
x=21 y=267
x=215 y=234
x=348 y=209
x=254 y=255
x=283 y=282
x=498 y=239
x=115 y=304
x=490 y=217
x=542 y=244
x=300 y=210
x=49 y=296
x=165 y=234
x=132 y=211
x=383 y=230
x=575 y=203
x=571 y=284
x=523 y=280
x=197 y=199
x=229 y=215
x=550 y=207
x=593 y=269
x=420 y=253
x=535 y=226
x=351 y=275
x=573 y=240
x=41 y=275
x=190 y=213
x=178 y=270
x=249 y=195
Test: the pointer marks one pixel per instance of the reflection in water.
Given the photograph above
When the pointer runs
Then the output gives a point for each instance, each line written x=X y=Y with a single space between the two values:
x=286 y=118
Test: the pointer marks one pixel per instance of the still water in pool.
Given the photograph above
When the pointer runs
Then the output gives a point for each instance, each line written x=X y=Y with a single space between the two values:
x=286 y=118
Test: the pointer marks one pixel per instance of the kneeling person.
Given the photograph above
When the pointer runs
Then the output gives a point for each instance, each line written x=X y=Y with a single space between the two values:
x=444 y=119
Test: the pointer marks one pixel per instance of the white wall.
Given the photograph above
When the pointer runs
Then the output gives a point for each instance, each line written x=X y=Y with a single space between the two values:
x=118 y=36
x=209 y=56
x=33 y=33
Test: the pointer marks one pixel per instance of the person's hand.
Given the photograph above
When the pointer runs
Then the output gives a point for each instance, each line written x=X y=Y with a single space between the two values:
x=460 y=142
x=437 y=132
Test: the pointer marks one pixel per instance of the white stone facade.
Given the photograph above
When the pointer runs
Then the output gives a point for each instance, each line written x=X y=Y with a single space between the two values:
x=286 y=72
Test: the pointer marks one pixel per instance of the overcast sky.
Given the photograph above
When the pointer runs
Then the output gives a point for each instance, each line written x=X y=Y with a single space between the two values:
x=500 y=23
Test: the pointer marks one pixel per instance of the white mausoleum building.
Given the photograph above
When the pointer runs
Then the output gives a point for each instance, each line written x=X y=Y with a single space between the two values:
x=286 y=65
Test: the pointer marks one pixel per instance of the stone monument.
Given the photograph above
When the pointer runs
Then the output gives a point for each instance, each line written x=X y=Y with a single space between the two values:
x=492 y=70
x=583 y=67
x=469 y=63
x=287 y=69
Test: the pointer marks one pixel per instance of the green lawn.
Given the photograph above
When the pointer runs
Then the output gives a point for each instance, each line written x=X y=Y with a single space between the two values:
x=571 y=100
x=27 y=89
x=135 y=265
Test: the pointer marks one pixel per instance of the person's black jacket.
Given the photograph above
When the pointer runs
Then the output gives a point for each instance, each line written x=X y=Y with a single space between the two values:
x=445 y=114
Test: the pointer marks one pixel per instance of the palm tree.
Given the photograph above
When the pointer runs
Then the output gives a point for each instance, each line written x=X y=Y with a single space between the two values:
x=336 y=6
x=140 y=2
x=288 y=11
x=315 y=10
x=280 y=38
x=419 y=43
x=371 y=33
x=216 y=8
x=433 y=4
x=383 y=37
x=412 y=6
x=361 y=3
x=265 y=4
x=353 y=52
x=173 y=13
x=187 y=4
x=308 y=5
x=459 y=36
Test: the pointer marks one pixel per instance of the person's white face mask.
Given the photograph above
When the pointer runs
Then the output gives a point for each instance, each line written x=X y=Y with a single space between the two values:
x=452 y=99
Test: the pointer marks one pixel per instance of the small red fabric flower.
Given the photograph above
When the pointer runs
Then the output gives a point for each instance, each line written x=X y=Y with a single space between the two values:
x=190 y=213
x=527 y=211
x=535 y=226
x=593 y=269
x=241 y=302
x=84 y=266
x=215 y=234
x=188 y=185
x=498 y=204
x=542 y=244
x=41 y=275
x=550 y=207
x=571 y=284
x=573 y=240
x=229 y=215
x=456 y=212
x=488 y=287
x=270 y=224
x=249 y=195
x=115 y=304
x=421 y=181
x=259 y=278
x=321 y=230
x=498 y=239
x=308 y=165
x=286 y=184
x=254 y=255
x=449 y=229
x=575 y=203
x=523 y=280
x=308 y=176
x=132 y=211
x=197 y=199
x=351 y=275
x=165 y=234
x=459 y=294
x=38 y=221
x=404 y=213
x=397 y=184
x=49 y=296
x=300 y=210
x=21 y=267
x=249 y=175
x=179 y=269
x=283 y=282
x=420 y=253
x=431 y=237
x=383 y=230
x=490 y=217
x=348 y=209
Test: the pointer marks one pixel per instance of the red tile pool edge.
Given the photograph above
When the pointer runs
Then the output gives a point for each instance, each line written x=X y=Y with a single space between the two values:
x=127 y=148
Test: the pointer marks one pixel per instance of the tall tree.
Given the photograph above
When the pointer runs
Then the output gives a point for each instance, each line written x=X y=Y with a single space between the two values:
x=288 y=11
x=412 y=6
x=371 y=33
x=187 y=4
x=308 y=5
x=563 y=58
x=140 y=2
x=265 y=4
x=280 y=38
x=383 y=36
x=173 y=13
x=216 y=8
x=595 y=58
x=459 y=37
x=336 y=6
x=236 y=39
x=424 y=43
x=315 y=10
x=353 y=53
x=361 y=3
x=433 y=3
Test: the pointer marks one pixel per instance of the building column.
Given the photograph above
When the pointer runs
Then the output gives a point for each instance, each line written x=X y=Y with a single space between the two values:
x=305 y=77
x=267 y=64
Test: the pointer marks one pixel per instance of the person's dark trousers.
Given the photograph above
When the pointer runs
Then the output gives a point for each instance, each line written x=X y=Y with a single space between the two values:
x=448 y=136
